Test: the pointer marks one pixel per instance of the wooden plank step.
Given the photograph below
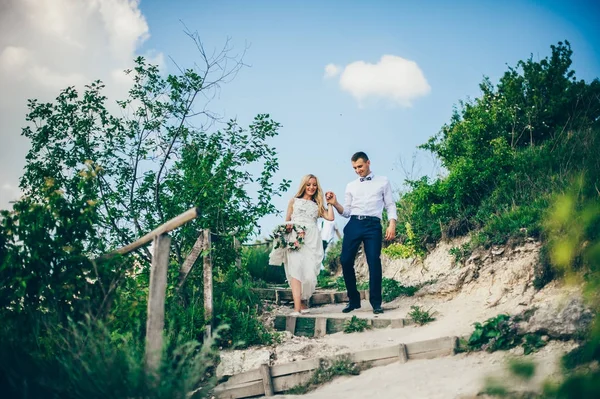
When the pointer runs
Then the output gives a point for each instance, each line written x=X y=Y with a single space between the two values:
x=289 y=375
x=432 y=348
x=318 y=298
x=306 y=325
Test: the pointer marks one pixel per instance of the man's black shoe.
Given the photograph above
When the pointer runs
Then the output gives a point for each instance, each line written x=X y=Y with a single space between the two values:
x=377 y=310
x=349 y=308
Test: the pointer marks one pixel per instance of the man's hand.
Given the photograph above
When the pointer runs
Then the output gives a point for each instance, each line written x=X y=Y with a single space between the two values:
x=390 y=232
x=330 y=197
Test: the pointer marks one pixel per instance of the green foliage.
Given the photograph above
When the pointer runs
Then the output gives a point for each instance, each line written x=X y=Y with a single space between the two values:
x=392 y=289
x=355 y=324
x=85 y=360
x=409 y=249
x=325 y=280
x=255 y=259
x=522 y=369
x=340 y=284
x=332 y=257
x=543 y=272
x=326 y=372
x=574 y=242
x=94 y=182
x=506 y=153
x=500 y=333
x=532 y=342
x=496 y=333
x=239 y=309
x=462 y=253
x=420 y=316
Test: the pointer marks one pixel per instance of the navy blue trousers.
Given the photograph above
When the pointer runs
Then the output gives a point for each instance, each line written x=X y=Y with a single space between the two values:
x=369 y=232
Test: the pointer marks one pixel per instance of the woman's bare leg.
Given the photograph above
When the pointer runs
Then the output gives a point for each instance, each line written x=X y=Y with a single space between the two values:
x=297 y=294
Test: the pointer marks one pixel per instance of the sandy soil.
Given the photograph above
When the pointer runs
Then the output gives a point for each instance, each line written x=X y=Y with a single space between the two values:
x=460 y=376
x=489 y=283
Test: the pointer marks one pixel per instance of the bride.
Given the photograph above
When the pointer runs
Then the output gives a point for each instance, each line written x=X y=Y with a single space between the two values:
x=302 y=265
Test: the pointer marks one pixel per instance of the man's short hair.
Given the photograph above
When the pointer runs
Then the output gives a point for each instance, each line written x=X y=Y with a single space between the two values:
x=359 y=155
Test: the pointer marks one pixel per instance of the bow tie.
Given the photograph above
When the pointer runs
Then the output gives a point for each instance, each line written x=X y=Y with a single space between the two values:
x=368 y=178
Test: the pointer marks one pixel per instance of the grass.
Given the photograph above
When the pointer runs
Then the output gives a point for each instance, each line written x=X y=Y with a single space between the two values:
x=420 y=316
x=326 y=372
x=356 y=325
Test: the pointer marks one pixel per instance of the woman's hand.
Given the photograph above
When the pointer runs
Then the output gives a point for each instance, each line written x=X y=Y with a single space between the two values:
x=330 y=197
x=288 y=227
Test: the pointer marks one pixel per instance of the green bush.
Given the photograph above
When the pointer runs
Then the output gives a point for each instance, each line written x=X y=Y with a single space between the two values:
x=355 y=324
x=496 y=333
x=332 y=257
x=239 y=309
x=85 y=360
x=392 y=289
x=462 y=253
x=420 y=316
x=256 y=260
x=506 y=153
x=409 y=249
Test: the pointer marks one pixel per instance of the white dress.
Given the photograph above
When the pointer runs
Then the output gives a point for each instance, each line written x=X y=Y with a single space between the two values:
x=303 y=264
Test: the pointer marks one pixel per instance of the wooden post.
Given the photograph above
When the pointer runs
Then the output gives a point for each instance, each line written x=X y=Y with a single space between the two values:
x=265 y=373
x=156 y=302
x=320 y=327
x=290 y=324
x=402 y=354
x=191 y=258
x=208 y=285
x=238 y=258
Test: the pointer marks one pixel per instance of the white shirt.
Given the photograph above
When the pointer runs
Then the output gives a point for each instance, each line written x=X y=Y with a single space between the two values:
x=369 y=197
x=328 y=230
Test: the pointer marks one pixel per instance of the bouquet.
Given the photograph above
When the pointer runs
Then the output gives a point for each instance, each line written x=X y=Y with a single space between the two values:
x=291 y=240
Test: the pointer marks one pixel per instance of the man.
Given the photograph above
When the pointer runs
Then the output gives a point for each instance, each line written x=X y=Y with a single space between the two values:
x=364 y=201
x=328 y=230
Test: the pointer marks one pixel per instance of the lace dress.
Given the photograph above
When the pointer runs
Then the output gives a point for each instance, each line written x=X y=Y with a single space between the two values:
x=303 y=264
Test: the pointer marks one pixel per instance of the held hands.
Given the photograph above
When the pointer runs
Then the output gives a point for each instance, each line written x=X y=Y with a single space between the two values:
x=330 y=197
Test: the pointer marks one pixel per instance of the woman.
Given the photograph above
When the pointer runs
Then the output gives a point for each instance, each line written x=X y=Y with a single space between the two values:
x=302 y=265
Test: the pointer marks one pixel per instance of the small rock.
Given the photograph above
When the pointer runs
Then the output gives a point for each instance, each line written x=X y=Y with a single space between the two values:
x=498 y=251
x=473 y=258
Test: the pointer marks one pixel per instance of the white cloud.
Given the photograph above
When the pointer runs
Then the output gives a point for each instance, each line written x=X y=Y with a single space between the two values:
x=331 y=70
x=47 y=45
x=393 y=79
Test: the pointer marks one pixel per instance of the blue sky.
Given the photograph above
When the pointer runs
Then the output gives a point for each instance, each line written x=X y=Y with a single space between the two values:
x=454 y=44
x=397 y=68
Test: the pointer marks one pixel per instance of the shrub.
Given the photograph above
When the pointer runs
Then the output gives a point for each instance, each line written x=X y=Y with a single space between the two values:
x=496 y=333
x=85 y=360
x=256 y=260
x=355 y=324
x=332 y=257
x=460 y=254
x=327 y=371
x=392 y=289
x=420 y=316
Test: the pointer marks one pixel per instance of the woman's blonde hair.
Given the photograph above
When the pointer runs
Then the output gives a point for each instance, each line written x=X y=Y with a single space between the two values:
x=318 y=195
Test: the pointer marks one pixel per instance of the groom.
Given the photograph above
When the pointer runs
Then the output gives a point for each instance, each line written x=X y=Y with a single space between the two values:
x=364 y=201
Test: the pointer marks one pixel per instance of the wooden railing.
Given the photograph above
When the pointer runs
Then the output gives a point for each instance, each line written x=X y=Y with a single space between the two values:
x=161 y=246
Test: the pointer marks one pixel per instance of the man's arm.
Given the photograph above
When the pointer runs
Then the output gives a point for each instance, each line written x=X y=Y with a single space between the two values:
x=390 y=207
x=331 y=199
